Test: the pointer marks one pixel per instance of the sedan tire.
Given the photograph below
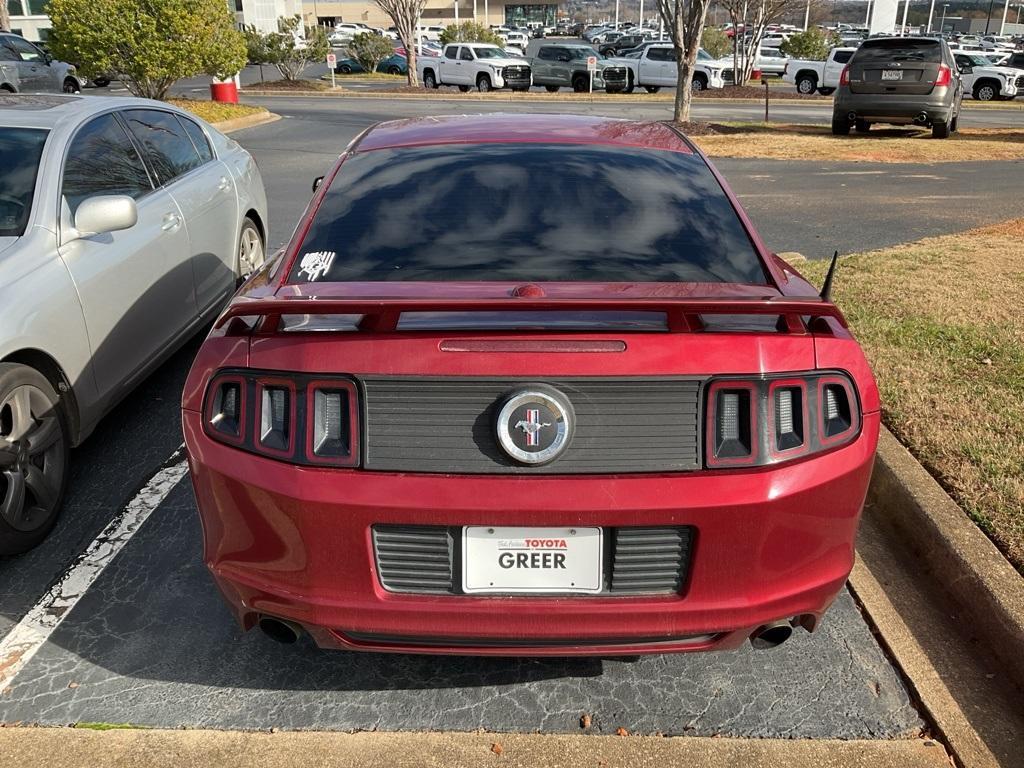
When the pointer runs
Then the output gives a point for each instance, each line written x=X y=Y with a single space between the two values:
x=251 y=250
x=34 y=449
x=985 y=92
x=71 y=85
x=807 y=85
x=941 y=130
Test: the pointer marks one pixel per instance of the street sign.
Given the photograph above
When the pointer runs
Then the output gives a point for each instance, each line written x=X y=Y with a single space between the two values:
x=332 y=62
x=592 y=63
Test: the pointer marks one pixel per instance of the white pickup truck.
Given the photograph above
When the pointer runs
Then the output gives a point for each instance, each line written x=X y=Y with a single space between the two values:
x=821 y=76
x=470 y=65
x=984 y=80
x=656 y=67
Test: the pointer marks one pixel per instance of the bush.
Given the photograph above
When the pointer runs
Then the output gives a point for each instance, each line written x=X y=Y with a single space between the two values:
x=148 y=45
x=370 y=49
x=814 y=44
x=290 y=53
x=715 y=42
x=469 y=32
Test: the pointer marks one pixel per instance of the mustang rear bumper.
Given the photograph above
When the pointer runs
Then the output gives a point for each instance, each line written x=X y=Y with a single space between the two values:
x=295 y=543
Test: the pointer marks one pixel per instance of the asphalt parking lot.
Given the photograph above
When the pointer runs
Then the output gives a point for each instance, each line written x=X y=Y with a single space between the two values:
x=150 y=642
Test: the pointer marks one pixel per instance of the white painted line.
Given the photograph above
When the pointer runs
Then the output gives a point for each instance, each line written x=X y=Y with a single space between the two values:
x=29 y=635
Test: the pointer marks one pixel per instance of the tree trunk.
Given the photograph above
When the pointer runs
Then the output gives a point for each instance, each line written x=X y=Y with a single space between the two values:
x=5 y=17
x=684 y=91
x=411 y=75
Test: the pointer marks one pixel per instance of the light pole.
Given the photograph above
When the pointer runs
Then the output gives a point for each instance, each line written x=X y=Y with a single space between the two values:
x=1002 y=26
x=942 y=24
x=903 y=27
x=807 y=16
x=867 y=15
x=931 y=12
x=616 y=14
x=988 y=18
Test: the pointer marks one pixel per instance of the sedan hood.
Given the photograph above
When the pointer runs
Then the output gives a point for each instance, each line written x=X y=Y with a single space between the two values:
x=5 y=243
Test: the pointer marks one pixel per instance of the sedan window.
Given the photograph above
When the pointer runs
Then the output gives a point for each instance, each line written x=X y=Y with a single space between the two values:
x=7 y=54
x=103 y=161
x=199 y=139
x=165 y=142
x=466 y=54
x=20 y=150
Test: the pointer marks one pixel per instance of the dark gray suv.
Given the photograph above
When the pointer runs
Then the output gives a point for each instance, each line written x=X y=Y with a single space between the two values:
x=899 y=80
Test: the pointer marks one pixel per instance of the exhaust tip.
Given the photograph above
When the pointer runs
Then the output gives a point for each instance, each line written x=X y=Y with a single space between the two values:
x=771 y=635
x=852 y=117
x=279 y=630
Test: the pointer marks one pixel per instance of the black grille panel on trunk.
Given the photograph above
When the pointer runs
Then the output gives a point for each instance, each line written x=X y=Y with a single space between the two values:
x=426 y=559
x=448 y=425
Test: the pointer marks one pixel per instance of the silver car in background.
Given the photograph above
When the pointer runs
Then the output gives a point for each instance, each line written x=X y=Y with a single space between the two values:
x=125 y=224
x=25 y=68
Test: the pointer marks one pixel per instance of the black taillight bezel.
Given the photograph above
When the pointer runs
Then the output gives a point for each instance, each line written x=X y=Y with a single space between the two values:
x=853 y=427
x=712 y=447
x=347 y=386
x=774 y=385
x=301 y=388
x=236 y=437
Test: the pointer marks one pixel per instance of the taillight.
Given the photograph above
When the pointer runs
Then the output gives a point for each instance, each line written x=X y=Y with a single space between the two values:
x=296 y=418
x=767 y=420
x=945 y=76
x=844 y=78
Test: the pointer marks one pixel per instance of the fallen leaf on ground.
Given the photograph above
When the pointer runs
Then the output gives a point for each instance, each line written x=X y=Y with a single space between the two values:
x=496 y=748
x=620 y=731
x=585 y=720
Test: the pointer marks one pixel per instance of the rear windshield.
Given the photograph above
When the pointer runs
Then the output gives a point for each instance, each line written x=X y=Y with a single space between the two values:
x=526 y=213
x=899 y=49
x=20 y=150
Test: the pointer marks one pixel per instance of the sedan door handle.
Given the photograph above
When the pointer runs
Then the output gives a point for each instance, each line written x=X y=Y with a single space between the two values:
x=224 y=185
x=170 y=222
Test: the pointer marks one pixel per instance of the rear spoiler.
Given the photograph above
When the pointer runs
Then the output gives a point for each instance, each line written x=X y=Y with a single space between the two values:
x=682 y=314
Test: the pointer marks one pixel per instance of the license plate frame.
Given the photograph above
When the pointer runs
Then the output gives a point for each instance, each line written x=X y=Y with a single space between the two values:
x=892 y=75
x=485 y=548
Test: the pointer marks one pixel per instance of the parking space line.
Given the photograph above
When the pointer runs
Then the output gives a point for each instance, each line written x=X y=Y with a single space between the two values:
x=29 y=635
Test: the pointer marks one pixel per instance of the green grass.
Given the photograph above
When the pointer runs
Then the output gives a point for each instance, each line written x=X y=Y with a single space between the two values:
x=110 y=727
x=940 y=321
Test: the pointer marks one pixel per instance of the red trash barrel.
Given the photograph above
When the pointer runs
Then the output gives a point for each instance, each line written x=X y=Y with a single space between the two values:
x=226 y=92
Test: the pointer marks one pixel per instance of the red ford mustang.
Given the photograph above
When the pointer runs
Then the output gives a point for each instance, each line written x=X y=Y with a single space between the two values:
x=529 y=385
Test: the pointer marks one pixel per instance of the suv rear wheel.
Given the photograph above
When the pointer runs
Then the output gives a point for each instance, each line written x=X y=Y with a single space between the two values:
x=941 y=130
x=840 y=125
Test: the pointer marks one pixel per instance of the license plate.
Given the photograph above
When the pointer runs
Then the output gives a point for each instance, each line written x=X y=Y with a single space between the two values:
x=531 y=560
x=892 y=74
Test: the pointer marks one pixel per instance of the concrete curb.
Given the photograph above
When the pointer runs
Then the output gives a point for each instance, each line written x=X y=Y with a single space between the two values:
x=567 y=99
x=249 y=121
x=989 y=592
x=74 y=748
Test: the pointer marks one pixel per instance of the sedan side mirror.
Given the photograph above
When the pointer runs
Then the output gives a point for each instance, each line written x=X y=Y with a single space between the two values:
x=317 y=182
x=105 y=213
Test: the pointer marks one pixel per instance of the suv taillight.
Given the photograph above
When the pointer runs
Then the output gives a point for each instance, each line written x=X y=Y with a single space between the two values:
x=295 y=418
x=767 y=420
x=945 y=76
x=844 y=78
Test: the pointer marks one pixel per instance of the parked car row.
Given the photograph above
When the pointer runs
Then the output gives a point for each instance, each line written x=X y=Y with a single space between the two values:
x=24 y=67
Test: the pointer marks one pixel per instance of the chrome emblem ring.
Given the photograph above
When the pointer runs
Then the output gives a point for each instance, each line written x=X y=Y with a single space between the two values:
x=535 y=426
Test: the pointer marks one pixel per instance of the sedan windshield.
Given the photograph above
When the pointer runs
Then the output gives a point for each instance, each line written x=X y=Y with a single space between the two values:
x=527 y=212
x=20 y=150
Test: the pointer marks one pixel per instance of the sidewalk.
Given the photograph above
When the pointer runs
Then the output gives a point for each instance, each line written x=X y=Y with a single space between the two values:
x=74 y=748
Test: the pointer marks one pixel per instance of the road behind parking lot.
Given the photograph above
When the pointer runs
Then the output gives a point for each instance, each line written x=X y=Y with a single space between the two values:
x=812 y=207
x=150 y=643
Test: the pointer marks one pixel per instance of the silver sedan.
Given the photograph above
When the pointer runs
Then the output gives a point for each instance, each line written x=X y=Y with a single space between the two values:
x=124 y=227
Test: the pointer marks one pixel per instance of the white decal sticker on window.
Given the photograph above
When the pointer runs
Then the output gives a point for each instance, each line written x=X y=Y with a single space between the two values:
x=316 y=264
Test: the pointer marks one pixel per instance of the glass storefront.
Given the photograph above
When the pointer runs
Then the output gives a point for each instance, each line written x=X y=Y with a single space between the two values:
x=521 y=15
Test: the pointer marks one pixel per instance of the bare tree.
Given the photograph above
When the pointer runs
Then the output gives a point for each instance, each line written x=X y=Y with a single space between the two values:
x=685 y=22
x=405 y=14
x=5 y=17
x=754 y=16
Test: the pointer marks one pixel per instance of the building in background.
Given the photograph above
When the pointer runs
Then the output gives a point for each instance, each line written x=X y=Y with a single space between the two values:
x=29 y=20
x=437 y=12
x=263 y=14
